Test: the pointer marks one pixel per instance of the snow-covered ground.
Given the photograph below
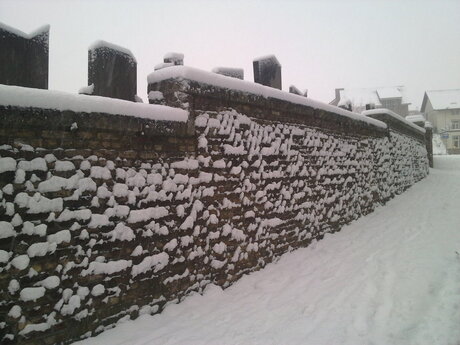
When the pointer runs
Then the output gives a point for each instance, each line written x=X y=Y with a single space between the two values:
x=392 y=277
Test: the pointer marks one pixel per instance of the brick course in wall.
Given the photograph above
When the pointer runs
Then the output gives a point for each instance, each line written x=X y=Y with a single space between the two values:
x=119 y=216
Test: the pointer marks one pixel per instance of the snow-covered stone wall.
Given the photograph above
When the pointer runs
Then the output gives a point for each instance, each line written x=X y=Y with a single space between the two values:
x=92 y=234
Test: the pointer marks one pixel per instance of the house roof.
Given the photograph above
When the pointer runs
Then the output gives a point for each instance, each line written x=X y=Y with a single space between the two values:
x=390 y=92
x=361 y=97
x=442 y=99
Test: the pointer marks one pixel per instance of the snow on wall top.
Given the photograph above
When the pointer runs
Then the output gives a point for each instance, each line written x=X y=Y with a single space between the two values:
x=163 y=65
x=415 y=118
x=185 y=72
x=40 y=30
x=105 y=44
x=46 y=99
x=444 y=99
x=174 y=56
x=393 y=115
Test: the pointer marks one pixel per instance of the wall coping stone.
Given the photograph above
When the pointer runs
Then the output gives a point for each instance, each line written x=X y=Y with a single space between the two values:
x=23 y=97
x=371 y=112
x=255 y=91
x=396 y=122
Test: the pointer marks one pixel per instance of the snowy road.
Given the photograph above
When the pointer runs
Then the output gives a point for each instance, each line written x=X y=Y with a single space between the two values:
x=392 y=277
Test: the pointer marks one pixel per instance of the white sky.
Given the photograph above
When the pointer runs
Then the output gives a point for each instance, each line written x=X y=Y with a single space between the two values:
x=320 y=44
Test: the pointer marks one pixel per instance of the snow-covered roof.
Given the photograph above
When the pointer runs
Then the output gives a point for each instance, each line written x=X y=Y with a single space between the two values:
x=389 y=92
x=444 y=99
x=361 y=96
x=190 y=73
x=40 y=30
x=105 y=44
x=393 y=115
x=46 y=99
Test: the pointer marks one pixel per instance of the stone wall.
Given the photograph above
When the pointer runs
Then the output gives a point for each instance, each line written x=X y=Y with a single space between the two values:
x=117 y=216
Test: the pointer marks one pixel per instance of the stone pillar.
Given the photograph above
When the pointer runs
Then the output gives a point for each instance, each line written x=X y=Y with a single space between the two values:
x=112 y=71
x=267 y=71
x=237 y=73
x=24 y=57
x=429 y=143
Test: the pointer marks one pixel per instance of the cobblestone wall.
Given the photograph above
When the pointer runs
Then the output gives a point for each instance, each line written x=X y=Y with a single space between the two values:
x=103 y=224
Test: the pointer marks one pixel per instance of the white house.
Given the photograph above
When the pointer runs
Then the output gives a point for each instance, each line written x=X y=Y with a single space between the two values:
x=358 y=100
x=442 y=109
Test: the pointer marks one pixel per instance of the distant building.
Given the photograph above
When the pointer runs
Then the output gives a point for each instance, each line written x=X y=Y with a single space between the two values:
x=442 y=109
x=358 y=100
x=414 y=110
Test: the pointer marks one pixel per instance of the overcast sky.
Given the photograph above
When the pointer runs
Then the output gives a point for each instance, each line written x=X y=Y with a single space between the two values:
x=320 y=44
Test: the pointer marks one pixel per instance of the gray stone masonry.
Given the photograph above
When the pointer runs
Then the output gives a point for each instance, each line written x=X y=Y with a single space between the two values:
x=118 y=216
x=24 y=58
x=113 y=71
x=429 y=144
x=267 y=71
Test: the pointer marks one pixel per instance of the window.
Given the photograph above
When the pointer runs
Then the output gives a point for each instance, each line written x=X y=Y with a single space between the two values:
x=456 y=141
x=456 y=124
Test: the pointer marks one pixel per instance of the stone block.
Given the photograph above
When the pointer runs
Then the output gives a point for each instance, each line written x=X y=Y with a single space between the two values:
x=24 y=57
x=267 y=71
x=112 y=70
